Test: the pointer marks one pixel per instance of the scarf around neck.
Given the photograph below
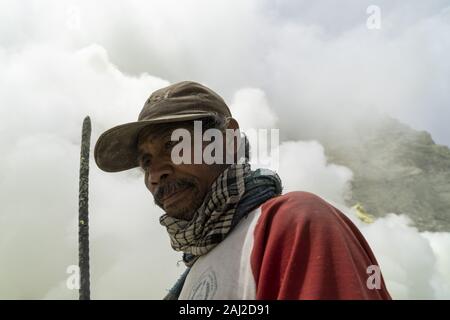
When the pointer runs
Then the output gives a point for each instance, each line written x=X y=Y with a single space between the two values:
x=237 y=187
x=235 y=193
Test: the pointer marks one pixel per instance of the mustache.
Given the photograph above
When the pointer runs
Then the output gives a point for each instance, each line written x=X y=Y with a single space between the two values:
x=170 y=187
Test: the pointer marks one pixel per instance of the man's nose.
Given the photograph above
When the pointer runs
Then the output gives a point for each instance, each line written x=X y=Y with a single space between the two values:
x=158 y=172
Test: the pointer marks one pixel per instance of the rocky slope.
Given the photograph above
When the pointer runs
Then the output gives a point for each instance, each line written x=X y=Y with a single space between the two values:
x=397 y=169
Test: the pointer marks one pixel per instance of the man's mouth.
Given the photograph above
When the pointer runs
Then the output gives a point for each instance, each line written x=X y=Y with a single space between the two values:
x=174 y=196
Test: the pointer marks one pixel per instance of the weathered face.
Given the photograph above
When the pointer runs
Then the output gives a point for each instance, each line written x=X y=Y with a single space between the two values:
x=178 y=189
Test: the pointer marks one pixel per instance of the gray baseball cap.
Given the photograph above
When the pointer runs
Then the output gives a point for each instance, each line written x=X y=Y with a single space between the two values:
x=116 y=148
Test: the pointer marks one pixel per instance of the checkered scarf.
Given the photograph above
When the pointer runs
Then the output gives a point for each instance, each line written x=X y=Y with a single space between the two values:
x=235 y=193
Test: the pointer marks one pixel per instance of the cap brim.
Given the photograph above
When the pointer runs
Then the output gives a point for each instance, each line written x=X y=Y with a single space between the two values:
x=116 y=150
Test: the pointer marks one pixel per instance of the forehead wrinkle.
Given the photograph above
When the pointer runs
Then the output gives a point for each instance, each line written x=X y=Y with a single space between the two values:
x=151 y=137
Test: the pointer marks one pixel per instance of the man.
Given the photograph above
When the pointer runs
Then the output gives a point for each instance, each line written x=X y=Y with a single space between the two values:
x=240 y=237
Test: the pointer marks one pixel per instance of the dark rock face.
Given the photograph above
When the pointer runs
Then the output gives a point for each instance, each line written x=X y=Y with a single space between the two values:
x=397 y=169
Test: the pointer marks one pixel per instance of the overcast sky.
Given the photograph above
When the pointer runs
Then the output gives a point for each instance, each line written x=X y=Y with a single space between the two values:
x=305 y=67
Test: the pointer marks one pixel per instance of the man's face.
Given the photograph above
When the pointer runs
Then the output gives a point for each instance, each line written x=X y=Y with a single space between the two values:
x=178 y=189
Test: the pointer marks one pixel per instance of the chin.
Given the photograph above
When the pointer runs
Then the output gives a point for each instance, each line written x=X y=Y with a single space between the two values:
x=183 y=209
x=180 y=213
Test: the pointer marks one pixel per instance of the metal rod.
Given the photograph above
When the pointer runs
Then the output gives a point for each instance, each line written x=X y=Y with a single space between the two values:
x=83 y=212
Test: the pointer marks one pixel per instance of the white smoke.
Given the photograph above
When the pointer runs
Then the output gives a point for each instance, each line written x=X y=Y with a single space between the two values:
x=61 y=62
x=415 y=265
x=39 y=186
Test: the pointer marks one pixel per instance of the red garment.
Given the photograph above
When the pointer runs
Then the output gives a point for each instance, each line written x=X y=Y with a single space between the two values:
x=307 y=249
x=295 y=246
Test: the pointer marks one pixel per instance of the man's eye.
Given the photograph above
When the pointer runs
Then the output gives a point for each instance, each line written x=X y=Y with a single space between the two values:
x=145 y=164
